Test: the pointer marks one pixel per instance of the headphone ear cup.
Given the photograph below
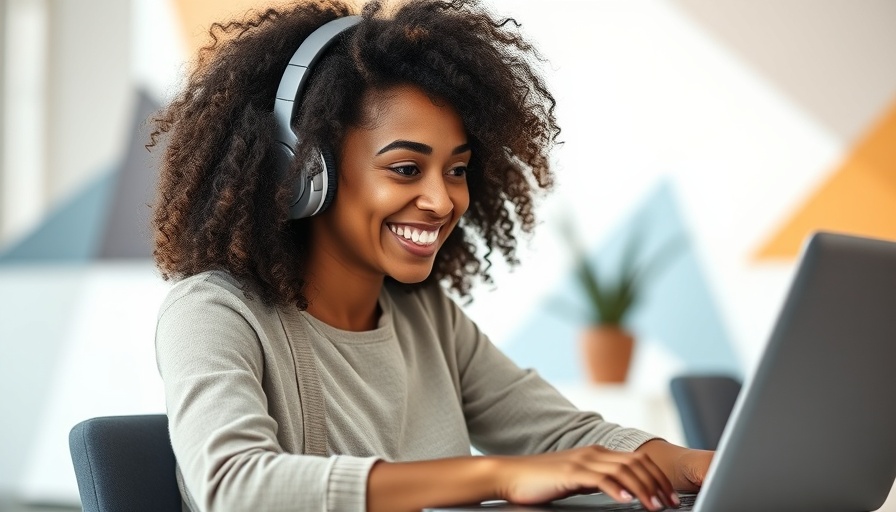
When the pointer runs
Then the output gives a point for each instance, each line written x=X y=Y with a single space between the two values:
x=315 y=185
x=330 y=169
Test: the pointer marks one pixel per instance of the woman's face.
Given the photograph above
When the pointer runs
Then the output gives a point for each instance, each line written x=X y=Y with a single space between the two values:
x=401 y=187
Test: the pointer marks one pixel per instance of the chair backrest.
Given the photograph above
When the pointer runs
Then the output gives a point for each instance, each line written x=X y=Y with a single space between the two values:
x=704 y=403
x=125 y=463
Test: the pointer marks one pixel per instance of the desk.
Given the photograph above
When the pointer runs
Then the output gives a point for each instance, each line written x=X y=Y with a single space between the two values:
x=651 y=411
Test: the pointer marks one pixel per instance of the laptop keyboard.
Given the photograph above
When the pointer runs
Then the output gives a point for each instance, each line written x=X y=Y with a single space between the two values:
x=687 y=503
x=569 y=505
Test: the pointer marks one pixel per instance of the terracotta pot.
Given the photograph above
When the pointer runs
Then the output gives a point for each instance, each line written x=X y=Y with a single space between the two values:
x=606 y=353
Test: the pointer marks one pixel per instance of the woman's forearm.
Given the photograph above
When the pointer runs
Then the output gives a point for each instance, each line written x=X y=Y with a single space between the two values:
x=411 y=486
x=527 y=480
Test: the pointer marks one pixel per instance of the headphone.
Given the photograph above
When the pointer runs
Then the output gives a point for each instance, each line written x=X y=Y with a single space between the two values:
x=312 y=191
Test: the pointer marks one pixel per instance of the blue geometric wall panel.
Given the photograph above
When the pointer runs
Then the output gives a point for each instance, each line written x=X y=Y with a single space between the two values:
x=71 y=233
x=109 y=218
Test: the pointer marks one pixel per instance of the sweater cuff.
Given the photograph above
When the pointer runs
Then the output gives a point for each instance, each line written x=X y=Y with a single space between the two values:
x=629 y=439
x=347 y=486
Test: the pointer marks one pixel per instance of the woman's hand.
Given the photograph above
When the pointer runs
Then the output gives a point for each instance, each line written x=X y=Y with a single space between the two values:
x=686 y=468
x=622 y=475
x=690 y=470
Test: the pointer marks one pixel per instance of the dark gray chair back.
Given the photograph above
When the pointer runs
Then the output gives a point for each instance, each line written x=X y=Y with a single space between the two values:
x=704 y=403
x=125 y=463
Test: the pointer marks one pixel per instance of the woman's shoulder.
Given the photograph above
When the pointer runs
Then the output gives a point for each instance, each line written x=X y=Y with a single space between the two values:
x=210 y=288
x=211 y=310
x=211 y=282
x=207 y=320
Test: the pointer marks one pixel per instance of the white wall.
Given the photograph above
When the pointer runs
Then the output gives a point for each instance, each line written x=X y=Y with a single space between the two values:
x=23 y=118
x=90 y=90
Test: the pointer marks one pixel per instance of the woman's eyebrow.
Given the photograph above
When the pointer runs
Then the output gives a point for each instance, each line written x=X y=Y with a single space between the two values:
x=419 y=147
x=463 y=148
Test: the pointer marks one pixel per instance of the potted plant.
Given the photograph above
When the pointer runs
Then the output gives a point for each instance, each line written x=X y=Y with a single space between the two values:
x=606 y=343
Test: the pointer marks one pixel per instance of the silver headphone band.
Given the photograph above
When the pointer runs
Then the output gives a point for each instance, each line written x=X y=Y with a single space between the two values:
x=296 y=74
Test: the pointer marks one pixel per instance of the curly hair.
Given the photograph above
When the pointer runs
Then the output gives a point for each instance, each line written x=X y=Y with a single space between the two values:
x=219 y=204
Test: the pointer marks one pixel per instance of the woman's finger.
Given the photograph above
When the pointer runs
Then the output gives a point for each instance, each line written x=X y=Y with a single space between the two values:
x=666 y=492
x=622 y=472
x=605 y=484
x=650 y=474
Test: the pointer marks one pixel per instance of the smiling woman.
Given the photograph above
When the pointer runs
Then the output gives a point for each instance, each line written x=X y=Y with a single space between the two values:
x=402 y=191
x=311 y=358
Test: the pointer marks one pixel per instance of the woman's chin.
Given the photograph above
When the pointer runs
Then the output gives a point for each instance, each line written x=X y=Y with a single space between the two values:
x=411 y=276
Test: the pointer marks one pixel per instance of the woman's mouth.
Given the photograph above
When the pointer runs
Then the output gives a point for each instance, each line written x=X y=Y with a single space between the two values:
x=421 y=242
x=417 y=236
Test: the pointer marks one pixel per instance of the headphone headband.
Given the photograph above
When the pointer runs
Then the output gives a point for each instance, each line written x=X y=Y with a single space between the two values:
x=292 y=84
x=312 y=191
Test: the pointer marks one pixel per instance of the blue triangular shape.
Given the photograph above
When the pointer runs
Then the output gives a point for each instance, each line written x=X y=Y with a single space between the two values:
x=127 y=233
x=676 y=310
x=72 y=231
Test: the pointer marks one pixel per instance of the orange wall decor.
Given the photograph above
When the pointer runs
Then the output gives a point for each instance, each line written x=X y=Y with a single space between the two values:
x=859 y=197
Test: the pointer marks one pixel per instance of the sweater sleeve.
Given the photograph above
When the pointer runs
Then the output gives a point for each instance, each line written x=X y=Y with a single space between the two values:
x=510 y=410
x=210 y=359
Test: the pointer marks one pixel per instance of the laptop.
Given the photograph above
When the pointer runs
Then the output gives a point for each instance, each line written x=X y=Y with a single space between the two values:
x=814 y=428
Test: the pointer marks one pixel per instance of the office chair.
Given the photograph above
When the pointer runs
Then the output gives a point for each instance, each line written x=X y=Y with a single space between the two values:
x=125 y=463
x=704 y=403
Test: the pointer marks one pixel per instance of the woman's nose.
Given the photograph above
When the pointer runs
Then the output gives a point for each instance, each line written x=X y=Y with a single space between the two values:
x=434 y=196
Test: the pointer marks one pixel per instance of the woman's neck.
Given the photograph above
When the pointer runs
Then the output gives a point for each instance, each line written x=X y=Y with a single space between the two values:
x=350 y=306
x=340 y=296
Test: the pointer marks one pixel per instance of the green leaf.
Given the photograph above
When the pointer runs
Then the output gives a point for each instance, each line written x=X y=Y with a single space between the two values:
x=611 y=301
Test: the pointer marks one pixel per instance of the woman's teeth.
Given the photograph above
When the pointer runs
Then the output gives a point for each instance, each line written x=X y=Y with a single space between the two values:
x=415 y=235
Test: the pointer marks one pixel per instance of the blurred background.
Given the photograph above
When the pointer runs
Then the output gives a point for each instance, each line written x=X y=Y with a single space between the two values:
x=733 y=128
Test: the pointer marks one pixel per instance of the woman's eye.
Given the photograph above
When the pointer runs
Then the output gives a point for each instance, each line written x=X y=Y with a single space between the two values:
x=406 y=170
x=460 y=170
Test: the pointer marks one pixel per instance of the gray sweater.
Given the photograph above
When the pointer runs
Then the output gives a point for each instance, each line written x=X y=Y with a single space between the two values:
x=425 y=384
